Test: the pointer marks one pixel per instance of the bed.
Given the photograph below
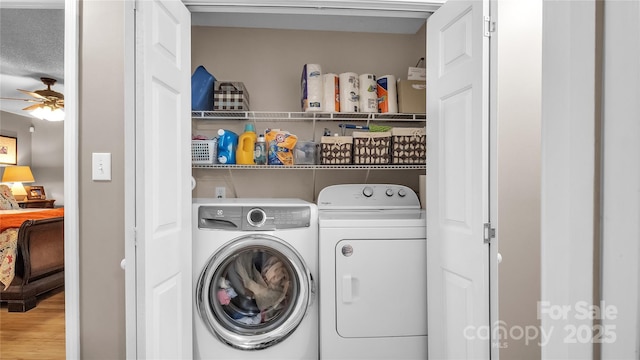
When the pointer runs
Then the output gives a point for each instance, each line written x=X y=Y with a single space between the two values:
x=31 y=253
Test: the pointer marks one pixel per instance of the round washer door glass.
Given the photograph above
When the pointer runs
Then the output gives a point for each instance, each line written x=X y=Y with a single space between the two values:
x=254 y=292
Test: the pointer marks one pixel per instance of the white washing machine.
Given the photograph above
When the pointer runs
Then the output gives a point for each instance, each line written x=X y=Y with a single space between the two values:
x=373 y=273
x=255 y=262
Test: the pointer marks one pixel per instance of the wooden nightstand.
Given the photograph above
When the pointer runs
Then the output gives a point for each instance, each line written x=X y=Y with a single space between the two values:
x=48 y=203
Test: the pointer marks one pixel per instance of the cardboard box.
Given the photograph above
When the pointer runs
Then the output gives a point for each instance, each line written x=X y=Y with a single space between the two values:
x=230 y=95
x=412 y=96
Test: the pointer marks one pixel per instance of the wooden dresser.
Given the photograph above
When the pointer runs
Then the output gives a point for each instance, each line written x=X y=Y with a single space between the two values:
x=26 y=204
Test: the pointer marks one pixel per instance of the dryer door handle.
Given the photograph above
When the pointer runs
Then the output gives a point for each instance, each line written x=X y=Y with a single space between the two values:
x=347 y=289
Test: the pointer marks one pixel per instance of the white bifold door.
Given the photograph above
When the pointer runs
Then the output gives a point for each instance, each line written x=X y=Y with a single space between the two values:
x=458 y=181
x=163 y=172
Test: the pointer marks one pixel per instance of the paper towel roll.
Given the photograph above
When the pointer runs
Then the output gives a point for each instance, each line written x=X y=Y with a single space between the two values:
x=368 y=93
x=311 y=87
x=387 y=94
x=331 y=96
x=349 y=92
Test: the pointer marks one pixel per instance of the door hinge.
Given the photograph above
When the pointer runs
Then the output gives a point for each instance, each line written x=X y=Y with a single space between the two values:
x=489 y=26
x=489 y=233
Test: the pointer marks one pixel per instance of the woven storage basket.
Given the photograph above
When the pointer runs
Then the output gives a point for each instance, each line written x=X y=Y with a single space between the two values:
x=409 y=146
x=336 y=150
x=371 y=147
x=230 y=95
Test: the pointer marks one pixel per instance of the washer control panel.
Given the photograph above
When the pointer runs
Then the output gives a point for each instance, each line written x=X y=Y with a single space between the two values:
x=253 y=217
x=368 y=196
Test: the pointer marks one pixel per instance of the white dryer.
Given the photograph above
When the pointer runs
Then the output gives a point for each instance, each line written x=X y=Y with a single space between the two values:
x=373 y=273
x=254 y=266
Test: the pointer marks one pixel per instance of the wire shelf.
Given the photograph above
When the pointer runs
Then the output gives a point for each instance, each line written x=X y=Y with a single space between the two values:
x=303 y=116
x=312 y=167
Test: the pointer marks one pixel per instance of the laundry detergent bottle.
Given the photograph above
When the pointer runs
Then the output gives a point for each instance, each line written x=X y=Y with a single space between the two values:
x=227 y=144
x=246 y=146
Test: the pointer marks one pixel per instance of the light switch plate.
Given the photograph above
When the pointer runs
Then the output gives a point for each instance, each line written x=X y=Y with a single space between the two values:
x=101 y=166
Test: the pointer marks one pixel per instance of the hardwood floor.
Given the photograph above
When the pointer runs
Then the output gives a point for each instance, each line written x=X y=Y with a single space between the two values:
x=35 y=334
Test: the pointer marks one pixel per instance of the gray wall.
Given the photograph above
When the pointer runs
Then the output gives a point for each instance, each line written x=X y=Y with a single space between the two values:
x=18 y=126
x=269 y=62
x=101 y=235
x=43 y=150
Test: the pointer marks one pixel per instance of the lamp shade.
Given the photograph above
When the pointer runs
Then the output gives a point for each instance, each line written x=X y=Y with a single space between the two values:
x=17 y=174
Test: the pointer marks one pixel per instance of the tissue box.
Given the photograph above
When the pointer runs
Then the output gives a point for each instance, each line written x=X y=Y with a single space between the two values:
x=336 y=150
x=230 y=95
x=409 y=146
x=412 y=96
x=202 y=90
x=371 y=147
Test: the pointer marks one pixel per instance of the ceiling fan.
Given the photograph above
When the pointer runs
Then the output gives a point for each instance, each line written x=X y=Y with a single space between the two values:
x=48 y=105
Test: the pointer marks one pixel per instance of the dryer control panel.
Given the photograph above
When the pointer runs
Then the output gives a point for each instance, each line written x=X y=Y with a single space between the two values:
x=367 y=196
x=220 y=217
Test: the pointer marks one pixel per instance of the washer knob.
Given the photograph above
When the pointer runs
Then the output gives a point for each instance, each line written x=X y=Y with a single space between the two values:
x=367 y=191
x=402 y=193
x=256 y=217
x=389 y=192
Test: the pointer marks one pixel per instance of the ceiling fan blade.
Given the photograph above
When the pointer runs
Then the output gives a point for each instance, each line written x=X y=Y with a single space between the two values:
x=34 y=94
x=29 y=100
x=32 y=107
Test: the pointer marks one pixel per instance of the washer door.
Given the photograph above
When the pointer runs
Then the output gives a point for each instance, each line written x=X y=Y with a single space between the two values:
x=254 y=292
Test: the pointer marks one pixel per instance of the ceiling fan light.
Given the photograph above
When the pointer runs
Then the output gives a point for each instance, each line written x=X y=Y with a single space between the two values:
x=56 y=115
x=46 y=113
x=38 y=112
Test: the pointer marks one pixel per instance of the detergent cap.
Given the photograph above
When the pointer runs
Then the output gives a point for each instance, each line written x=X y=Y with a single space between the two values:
x=249 y=127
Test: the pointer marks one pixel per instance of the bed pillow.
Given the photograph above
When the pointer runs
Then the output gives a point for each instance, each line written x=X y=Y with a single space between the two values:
x=7 y=201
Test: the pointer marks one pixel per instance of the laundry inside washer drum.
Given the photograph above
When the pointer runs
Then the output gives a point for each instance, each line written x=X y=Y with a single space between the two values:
x=253 y=290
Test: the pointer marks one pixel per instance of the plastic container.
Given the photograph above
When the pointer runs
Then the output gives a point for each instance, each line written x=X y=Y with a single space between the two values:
x=260 y=151
x=202 y=90
x=305 y=153
x=246 y=146
x=227 y=146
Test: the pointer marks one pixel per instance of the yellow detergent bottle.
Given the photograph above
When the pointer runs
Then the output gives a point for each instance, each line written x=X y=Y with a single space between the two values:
x=246 y=146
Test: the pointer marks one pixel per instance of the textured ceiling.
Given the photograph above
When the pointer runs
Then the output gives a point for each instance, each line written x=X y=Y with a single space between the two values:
x=31 y=46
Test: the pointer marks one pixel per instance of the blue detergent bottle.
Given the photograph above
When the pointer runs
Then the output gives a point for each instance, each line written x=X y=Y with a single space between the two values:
x=227 y=146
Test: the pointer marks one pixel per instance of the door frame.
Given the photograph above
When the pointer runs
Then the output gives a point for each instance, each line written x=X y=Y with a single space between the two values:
x=131 y=338
x=71 y=181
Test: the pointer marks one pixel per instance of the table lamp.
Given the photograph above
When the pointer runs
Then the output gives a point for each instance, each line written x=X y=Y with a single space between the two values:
x=18 y=175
